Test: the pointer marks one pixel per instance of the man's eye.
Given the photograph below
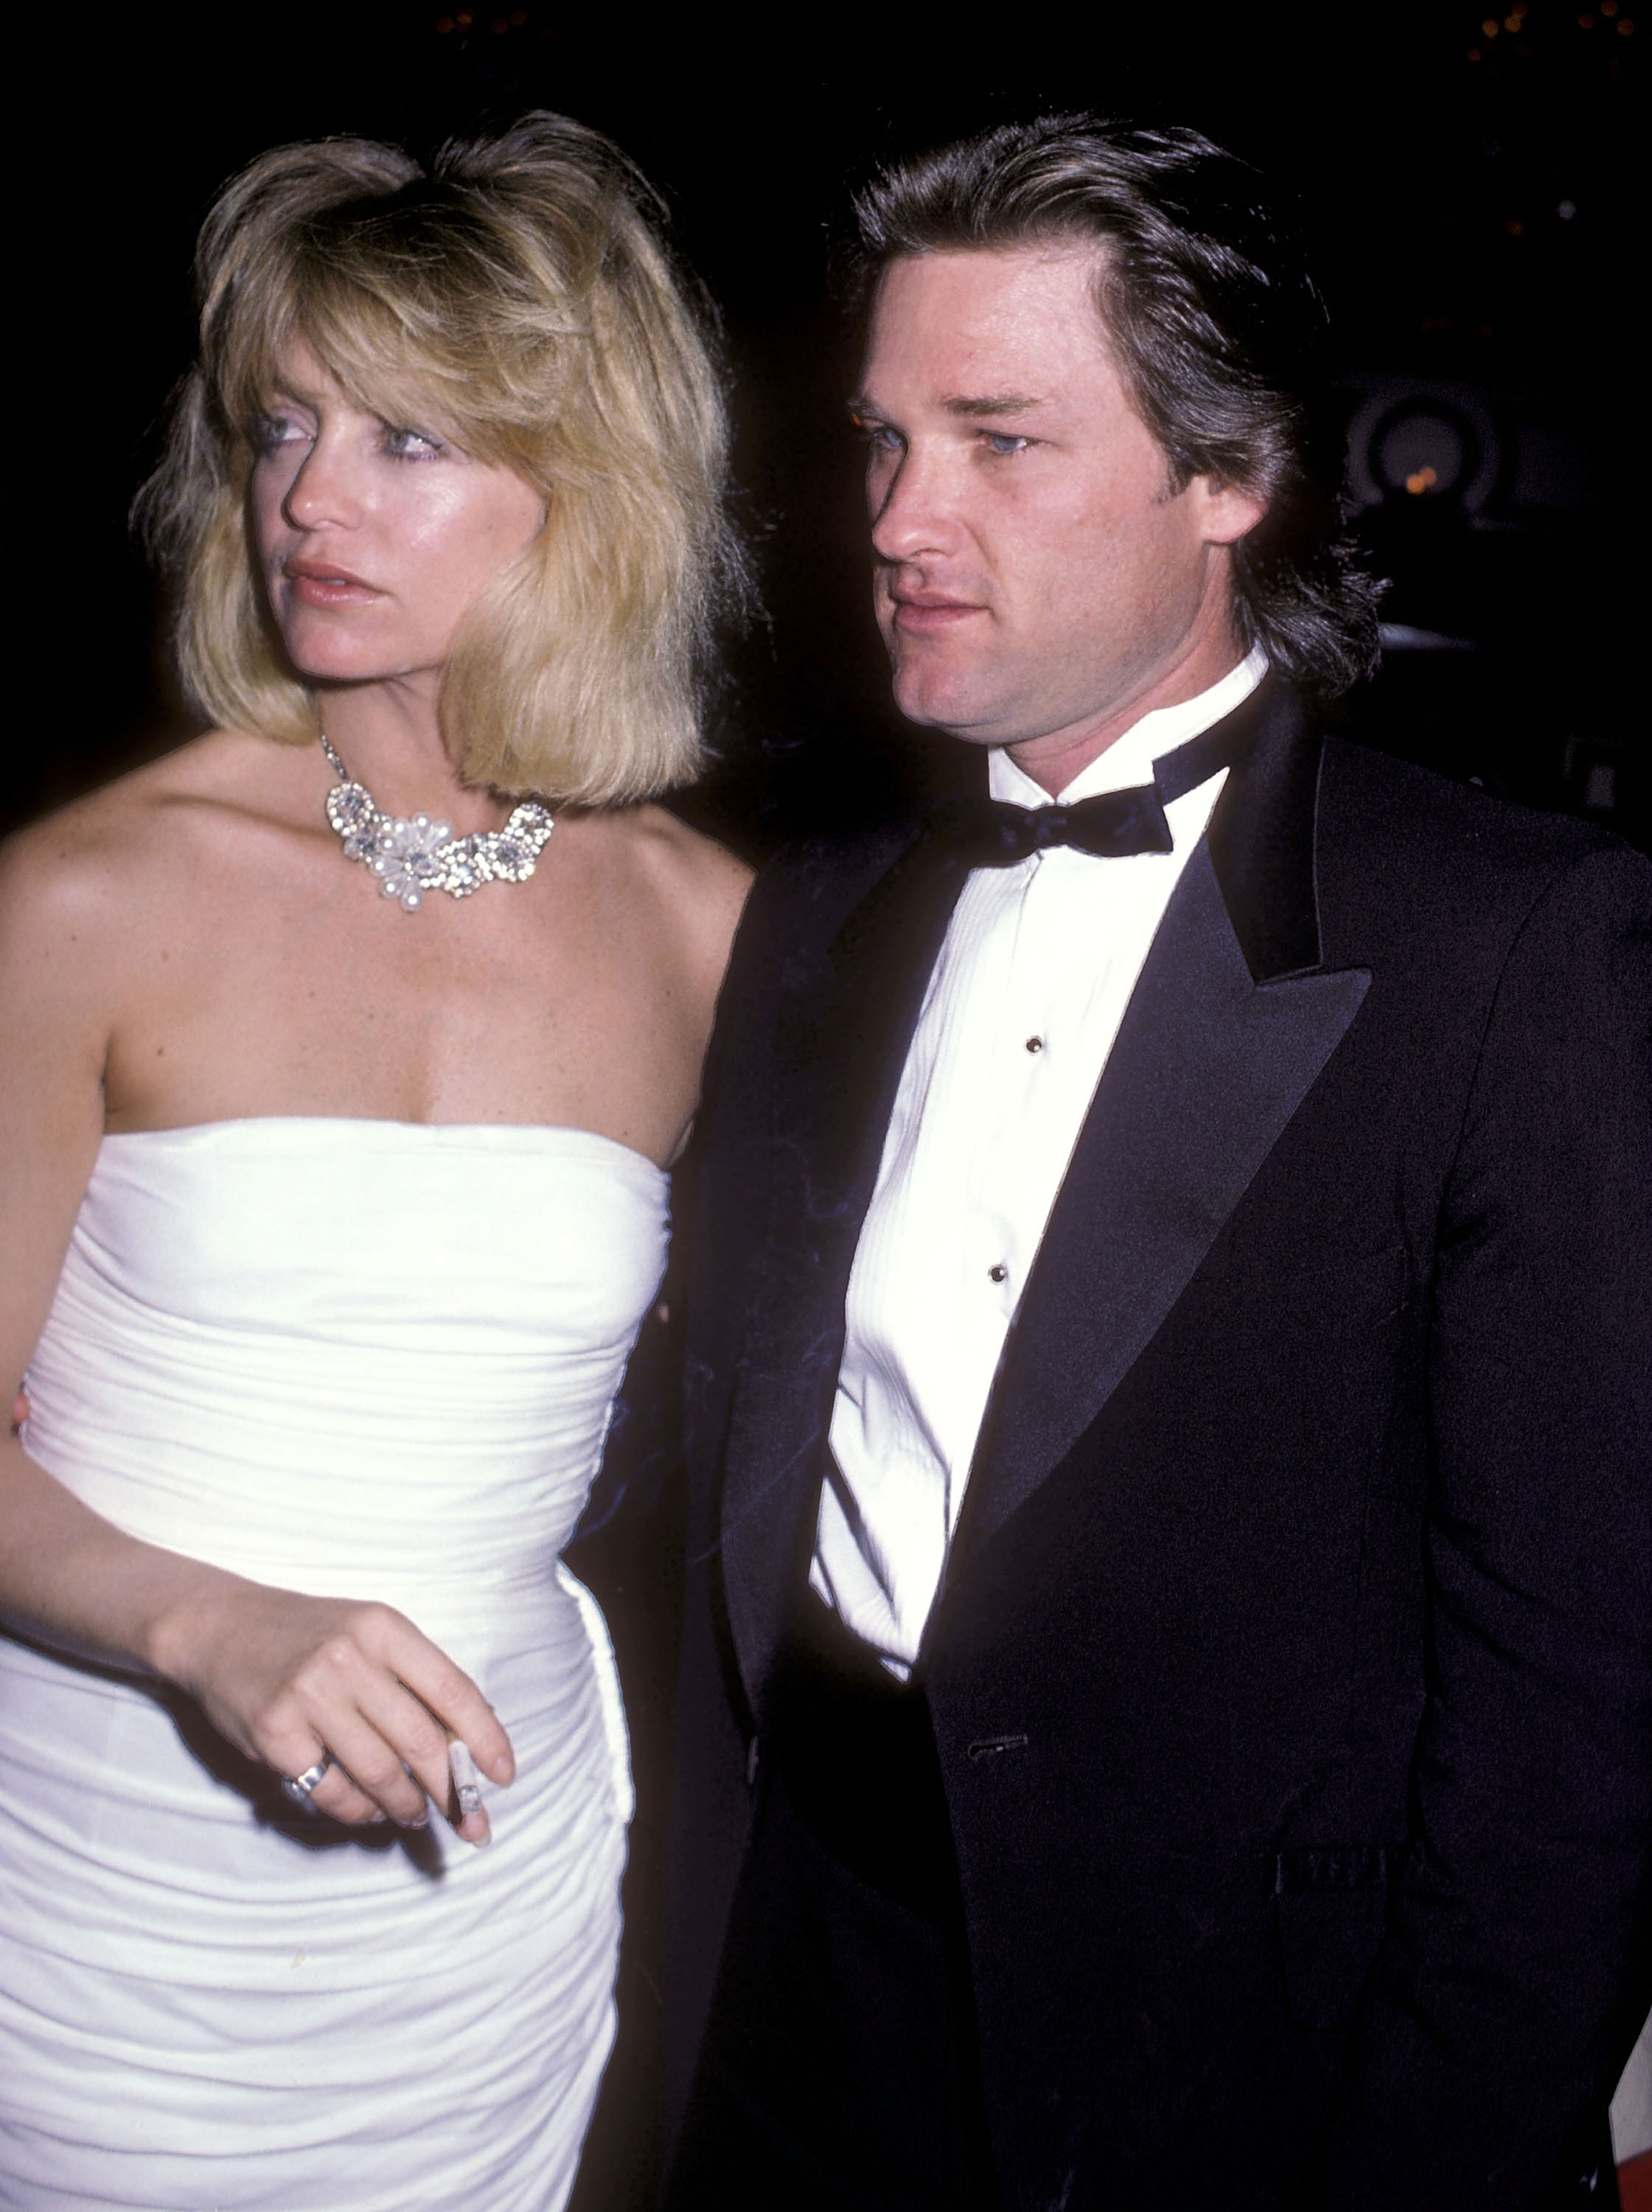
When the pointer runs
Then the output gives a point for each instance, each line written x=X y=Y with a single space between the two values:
x=877 y=435
x=1005 y=441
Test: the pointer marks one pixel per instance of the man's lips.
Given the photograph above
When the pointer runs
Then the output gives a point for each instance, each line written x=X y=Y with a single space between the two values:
x=930 y=613
x=322 y=584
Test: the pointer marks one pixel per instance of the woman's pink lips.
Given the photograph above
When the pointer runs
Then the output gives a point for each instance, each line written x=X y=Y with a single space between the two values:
x=314 y=586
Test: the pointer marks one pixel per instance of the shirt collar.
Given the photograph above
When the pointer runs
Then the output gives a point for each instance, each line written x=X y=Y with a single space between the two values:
x=1129 y=759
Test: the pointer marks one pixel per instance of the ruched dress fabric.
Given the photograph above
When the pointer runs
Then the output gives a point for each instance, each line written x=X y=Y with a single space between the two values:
x=371 y=1359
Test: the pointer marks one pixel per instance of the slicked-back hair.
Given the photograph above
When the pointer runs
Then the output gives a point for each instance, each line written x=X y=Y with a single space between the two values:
x=1210 y=315
x=520 y=300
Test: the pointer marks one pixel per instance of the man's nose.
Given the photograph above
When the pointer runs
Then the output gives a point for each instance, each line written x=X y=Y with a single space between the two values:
x=325 y=489
x=914 y=508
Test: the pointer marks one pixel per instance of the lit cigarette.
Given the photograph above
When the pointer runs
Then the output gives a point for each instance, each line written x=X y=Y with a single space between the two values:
x=467 y=1783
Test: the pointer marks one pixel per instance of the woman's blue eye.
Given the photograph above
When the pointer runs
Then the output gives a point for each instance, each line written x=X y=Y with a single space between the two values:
x=268 y=431
x=409 y=445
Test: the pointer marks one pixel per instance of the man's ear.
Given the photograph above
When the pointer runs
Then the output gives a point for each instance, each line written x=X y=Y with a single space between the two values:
x=1223 y=512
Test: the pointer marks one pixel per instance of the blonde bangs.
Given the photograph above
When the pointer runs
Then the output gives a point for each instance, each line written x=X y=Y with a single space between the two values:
x=520 y=303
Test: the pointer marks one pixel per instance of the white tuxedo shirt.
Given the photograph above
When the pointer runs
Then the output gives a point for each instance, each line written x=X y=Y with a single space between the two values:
x=1025 y=1000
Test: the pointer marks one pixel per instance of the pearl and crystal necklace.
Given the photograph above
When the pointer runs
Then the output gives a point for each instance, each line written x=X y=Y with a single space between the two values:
x=412 y=858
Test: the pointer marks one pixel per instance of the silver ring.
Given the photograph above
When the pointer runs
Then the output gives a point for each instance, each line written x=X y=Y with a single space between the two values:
x=301 y=1788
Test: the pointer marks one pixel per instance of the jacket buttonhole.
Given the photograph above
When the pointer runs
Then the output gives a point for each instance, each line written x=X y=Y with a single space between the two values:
x=989 y=1747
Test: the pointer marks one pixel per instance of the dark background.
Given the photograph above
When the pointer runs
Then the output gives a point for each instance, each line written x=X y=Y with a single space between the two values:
x=1464 y=181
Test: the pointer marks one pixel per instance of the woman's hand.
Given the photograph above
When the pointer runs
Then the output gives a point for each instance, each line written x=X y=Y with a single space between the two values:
x=289 y=1679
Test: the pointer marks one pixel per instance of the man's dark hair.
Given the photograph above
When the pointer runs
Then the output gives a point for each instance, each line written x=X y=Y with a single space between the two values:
x=1215 y=325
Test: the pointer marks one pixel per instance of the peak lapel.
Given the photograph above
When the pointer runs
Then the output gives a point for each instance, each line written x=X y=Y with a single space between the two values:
x=843 y=1032
x=1230 y=1024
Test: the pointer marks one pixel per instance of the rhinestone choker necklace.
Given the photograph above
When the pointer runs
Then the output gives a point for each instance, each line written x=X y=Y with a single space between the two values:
x=412 y=858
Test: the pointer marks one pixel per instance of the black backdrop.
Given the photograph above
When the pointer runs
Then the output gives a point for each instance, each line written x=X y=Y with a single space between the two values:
x=1465 y=191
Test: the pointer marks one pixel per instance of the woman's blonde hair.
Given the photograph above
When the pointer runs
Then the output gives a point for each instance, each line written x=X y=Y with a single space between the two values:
x=520 y=293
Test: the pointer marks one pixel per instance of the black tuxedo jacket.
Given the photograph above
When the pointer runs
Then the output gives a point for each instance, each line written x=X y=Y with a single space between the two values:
x=1290 y=1676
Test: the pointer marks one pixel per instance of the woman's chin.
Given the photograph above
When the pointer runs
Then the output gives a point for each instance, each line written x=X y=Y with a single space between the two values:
x=332 y=671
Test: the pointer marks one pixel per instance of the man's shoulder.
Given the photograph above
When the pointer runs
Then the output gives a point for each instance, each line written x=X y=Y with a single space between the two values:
x=805 y=893
x=824 y=864
x=800 y=901
x=1402 y=841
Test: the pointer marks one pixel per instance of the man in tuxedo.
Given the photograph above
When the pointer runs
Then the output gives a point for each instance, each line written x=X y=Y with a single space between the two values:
x=1164 y=1711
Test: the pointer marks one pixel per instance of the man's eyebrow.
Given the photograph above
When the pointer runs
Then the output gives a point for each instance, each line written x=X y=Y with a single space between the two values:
x=990 y=403
x=968 y=404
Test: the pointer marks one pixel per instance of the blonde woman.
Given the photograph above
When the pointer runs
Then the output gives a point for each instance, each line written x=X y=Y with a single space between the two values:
x=347 y=1049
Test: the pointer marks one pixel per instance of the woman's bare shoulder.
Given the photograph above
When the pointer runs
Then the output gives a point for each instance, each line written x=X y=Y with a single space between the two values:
x=691 y=870
x=100 y=859
x=683 y=890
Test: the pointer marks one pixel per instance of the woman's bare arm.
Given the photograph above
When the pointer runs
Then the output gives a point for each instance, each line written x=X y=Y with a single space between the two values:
x=280 y=1675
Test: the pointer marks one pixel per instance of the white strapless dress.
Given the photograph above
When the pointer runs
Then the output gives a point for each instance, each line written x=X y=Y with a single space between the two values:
x=364 y=1358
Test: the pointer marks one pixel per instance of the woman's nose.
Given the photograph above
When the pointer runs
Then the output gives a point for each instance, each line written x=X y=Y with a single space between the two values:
x=325 y=489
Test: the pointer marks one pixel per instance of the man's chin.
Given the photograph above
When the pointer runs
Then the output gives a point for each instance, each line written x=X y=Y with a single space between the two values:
x=934 y=703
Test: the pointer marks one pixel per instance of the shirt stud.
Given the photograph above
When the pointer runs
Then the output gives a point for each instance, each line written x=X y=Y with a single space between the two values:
x=1034 y=1044
x=998 y=1270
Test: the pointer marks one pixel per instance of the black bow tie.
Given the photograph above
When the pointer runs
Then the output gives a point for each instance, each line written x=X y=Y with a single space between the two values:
x=990 y=834
x=987 y=834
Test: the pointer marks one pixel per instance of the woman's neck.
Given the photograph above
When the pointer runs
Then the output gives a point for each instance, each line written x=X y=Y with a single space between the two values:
x=389 y=737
